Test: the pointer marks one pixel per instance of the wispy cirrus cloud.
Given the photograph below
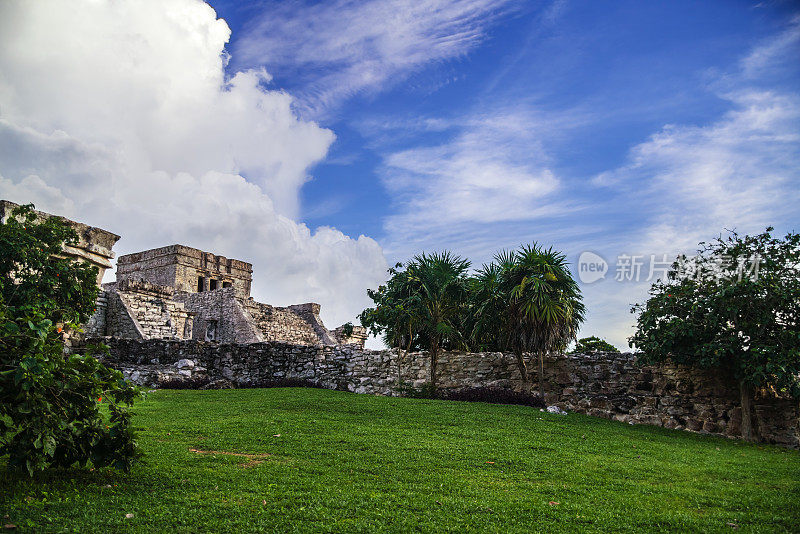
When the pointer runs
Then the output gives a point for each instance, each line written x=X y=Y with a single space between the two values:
x=492 y=169
x=334 y=50
x=687 y=183
x=478 y=188
x=773 y=54
x=500 y=179
x=740 y=170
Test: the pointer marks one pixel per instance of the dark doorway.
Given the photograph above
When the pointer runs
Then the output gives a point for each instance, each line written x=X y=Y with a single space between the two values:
x=201 y=282
x=211 y=331
x=212 y=285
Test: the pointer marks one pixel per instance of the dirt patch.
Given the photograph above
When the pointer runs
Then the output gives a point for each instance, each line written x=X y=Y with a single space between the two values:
x=252 y=459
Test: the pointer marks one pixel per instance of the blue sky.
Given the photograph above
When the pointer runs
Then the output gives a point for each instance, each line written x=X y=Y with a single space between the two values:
x=325 y=141
x=614 y=72
x=558 y=95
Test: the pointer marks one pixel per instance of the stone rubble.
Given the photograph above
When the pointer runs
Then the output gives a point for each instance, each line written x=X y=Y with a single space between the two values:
x=608 y=385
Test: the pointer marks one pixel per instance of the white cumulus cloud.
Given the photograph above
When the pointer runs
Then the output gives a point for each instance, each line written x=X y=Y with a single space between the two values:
x=479 y=189
x=119 y=114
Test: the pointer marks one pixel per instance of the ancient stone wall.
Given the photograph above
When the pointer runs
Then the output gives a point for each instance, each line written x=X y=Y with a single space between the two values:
x=358 y=335
x=186 y=269
x=309 y=312
x=120 y=321
x=219 y=315
x=604 y=385
x=96 y=325
x=281 y=324
x=141 y=310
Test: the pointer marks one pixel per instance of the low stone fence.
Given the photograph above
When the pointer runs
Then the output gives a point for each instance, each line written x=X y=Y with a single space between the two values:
x=606 y=385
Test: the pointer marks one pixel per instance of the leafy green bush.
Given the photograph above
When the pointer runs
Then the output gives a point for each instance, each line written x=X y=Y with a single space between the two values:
x=282 y=383
x=588 y=345
x=347 y=329
x=185 y=383
x=50 y=401
x=491 y=395
x=735 y=307
x=425 y=391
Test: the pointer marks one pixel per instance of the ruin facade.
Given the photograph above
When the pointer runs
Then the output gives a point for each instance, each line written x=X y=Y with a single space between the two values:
x=186 y=269
x=183 y=293
x=94 y=244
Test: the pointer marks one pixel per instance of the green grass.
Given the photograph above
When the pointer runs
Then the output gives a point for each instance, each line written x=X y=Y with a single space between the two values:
x=333 y=461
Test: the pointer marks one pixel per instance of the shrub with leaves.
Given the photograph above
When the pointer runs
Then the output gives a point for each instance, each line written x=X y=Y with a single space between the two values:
x=494 y=396
x=735 y=307
x=282 y=383
x=347 y=329
x=196 y=382
x=50 y=401
x=591 y=344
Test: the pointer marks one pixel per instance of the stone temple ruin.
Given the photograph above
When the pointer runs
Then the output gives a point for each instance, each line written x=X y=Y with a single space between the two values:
x=178 y=292
x=182 y=293
x=177 y=313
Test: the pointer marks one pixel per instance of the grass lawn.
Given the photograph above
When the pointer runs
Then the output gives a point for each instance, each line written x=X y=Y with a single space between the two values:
x=316 y=460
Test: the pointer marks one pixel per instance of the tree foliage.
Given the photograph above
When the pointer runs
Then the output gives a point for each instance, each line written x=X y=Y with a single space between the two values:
x=735 y=307
x=422 y=306
x=347 y=329
x=588 y=345
x=526 y=302
x=50 y=401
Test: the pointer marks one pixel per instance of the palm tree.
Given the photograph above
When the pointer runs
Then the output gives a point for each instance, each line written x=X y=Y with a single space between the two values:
x=527 y=302
x=438 y=302
x=422 y=306
x=488 y=305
